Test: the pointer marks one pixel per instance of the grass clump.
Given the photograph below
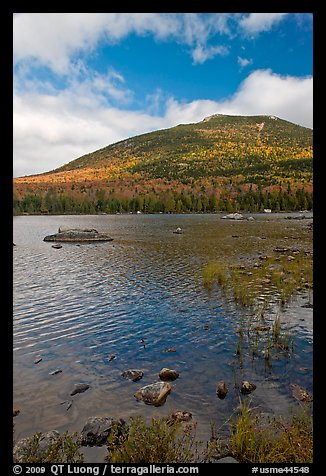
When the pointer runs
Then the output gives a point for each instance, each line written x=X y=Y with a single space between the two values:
x=272 y=440
x=215 y=272
x=158 y=442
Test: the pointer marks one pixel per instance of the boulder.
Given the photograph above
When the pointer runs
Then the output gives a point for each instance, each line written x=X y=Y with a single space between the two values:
x=23 y=447
x=233 y=216
x=133 y=375
x=63 y=229
x=78 y=235
x=247 y=387
x=221 y=389
x=168 y=374
x=97 y=429
x=154 y=394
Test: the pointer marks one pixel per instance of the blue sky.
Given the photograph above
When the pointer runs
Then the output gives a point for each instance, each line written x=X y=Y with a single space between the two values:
x=83 y=81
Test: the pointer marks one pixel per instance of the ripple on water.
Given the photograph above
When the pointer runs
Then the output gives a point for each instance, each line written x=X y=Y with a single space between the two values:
x=135 y=298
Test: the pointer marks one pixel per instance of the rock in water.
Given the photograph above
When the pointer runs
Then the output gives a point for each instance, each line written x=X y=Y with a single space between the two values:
x=233 y=216
x=97 y=429
x=15 y=412
x=300 y=393
x=179 y=417
x=133 y=375
x=78 y=235
x=154 y=394
x=55 y=372
x=57 y=246
x=247 y=387
x=79 y=388
x=168 y=374
x=221 y=389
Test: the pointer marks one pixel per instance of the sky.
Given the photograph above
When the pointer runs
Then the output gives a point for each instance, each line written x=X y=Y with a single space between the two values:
x=83 y=81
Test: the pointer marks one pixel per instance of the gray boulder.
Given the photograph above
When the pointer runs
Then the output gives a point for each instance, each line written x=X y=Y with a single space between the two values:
x=233 y=216
x=97 y=429
x=78 y=235
x=154 y=394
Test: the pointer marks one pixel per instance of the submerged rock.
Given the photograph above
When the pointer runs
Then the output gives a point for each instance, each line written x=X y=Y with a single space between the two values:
x=97 y=429
x=221 y=389
x=300 y=393
x=168 y=374
x=75 y=235
x=133 y=375
x=57 y=246
x=22 y=448
x=79 y=388
x=154 y=394
x=247 y=387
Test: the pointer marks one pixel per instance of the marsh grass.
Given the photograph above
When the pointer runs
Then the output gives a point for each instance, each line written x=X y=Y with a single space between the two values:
x=215 y=272
x=158 y=442
x=276 y=277
x=257 y=439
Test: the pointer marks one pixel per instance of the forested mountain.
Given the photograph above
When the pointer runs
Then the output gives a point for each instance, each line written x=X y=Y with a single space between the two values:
x=221 y=163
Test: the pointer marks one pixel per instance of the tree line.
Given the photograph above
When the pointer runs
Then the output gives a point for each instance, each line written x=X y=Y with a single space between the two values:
x=164 y=202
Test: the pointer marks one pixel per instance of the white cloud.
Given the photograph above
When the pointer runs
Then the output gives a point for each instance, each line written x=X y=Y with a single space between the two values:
x=201 y=53
x=255 y=23
x=54 y=39
x=243 y=62
x=51 y=130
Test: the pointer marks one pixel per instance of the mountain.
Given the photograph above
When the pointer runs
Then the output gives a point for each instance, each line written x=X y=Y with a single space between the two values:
x=223 y=156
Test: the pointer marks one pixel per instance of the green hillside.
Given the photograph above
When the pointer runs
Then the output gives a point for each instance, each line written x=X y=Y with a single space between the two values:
x=222 y=155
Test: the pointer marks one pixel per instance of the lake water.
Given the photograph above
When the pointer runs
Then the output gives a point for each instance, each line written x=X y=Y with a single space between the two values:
x=135 y=297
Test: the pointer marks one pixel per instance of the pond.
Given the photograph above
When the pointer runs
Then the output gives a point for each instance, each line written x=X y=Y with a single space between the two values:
x=134 y=298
